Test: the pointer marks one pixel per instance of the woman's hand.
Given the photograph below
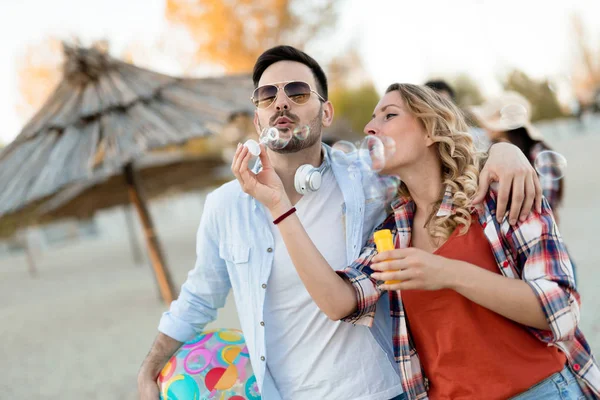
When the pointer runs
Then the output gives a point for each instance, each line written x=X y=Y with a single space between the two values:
x=266 y=186
x=518 y=182
x=414 y=268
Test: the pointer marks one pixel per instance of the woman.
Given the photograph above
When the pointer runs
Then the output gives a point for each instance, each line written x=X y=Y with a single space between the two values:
x=506 y=118
x=493 y=309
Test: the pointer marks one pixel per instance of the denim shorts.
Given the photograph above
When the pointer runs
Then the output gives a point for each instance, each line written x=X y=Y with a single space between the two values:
x=560 y=386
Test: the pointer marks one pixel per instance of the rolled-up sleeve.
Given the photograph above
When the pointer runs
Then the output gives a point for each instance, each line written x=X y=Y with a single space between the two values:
x=206 y=287
x=367 y=293
x=548 y=270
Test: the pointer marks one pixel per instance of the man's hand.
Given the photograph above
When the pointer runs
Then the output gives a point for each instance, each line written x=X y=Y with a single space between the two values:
x=508 y=166
x=266 y=186
x=148 y=388
x=162 y=350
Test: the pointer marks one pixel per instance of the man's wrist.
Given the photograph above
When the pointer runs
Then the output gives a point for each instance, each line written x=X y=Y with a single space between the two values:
x=281 y=208
x=146 y=375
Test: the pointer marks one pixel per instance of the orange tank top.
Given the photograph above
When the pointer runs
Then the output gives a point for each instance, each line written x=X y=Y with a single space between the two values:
x=466 y=350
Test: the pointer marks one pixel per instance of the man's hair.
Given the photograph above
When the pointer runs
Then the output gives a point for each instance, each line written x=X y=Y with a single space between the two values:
x=289 y=53
x=440 y=85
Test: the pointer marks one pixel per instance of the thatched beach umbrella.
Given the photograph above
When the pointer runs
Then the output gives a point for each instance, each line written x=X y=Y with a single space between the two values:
x=102 y=116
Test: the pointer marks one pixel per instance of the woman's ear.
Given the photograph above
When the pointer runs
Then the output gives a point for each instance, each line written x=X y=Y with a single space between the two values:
x=428 y=140
x=327 y=118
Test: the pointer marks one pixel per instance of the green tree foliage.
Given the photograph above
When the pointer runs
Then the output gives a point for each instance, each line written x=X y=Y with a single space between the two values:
x=543 y=100
x=467 y=91
x=355 y=105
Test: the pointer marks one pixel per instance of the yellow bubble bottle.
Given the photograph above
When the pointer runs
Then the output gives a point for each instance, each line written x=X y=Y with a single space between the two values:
x=384 y=242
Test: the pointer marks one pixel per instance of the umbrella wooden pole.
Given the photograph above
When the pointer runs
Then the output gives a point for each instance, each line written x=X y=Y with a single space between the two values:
x=29 y=255
x=161 y=273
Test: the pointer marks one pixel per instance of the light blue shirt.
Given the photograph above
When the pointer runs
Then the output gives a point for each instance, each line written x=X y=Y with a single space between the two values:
x=234 y=248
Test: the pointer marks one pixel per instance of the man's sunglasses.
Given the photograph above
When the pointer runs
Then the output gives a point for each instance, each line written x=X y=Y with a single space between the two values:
x=297 y=91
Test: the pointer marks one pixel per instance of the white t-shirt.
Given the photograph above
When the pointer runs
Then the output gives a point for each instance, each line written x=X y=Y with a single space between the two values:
x=308 y=355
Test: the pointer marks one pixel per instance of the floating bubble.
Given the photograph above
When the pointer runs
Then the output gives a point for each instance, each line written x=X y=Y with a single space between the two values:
x=375 y=151
x=354 y=171
x=389 y=146
x=301 y=132
x=374 y=192
x=268 y=135
x=550 y=165
x=344 y=152
x=381 y=189
x=372 y=153
x=514 y=115
x=274 y=138
x=391 y=185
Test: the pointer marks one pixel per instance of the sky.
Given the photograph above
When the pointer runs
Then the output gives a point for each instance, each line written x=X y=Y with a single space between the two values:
x=398 y=40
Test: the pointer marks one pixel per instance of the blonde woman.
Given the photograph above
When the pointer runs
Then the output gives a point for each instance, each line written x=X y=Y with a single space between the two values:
x=480 y=308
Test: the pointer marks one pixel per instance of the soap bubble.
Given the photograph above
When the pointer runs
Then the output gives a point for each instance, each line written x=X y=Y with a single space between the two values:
x=274 y=139
x=550 y=165
x=375 y=151
x=514 y=115
x=344 y=152
x=268 y=135
x=301 y=132
x=381 y=189
x=391 y=185
x=358 y=168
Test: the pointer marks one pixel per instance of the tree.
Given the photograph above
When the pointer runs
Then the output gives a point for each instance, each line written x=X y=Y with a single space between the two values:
x=352 y=93
x=586 y=79
x=233 y=34
x=543 y=100
x=355 y=105
x=38 y=73
x=467 y=91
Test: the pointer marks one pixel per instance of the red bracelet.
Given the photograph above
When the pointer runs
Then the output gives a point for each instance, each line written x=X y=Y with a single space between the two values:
x=284 y=216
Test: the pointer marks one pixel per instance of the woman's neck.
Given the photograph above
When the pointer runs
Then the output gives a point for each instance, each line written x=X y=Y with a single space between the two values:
x=424 y=182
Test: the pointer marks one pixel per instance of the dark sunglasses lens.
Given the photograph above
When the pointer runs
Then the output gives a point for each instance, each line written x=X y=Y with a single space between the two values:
x=264 y=96
x=298 y=92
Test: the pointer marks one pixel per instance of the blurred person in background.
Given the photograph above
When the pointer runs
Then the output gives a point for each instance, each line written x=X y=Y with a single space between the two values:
x=443 y=88
x=506 y=118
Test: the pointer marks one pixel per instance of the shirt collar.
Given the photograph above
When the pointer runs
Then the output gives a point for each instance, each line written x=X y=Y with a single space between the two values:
x=446 y=208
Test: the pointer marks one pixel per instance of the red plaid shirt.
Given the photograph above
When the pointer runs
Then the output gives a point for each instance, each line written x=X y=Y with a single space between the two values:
x=532 y=250
x=550 y=176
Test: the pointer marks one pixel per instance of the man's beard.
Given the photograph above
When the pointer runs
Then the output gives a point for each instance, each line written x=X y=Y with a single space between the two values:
x=295 y=144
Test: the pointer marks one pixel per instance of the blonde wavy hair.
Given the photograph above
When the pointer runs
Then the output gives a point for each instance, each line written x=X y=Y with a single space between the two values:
x=447 y=127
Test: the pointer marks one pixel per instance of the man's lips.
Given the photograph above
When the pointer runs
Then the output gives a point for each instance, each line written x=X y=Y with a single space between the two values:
x=283 y=122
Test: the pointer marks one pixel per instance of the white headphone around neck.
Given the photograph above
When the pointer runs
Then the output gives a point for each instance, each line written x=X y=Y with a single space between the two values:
x=308 y=178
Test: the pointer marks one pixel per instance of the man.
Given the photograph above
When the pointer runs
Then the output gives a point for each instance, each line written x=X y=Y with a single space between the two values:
x=480 y=138
x=442 y=88
x=295 y=350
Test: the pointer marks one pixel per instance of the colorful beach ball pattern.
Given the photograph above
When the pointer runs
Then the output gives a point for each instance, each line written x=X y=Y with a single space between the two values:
x=215 y=365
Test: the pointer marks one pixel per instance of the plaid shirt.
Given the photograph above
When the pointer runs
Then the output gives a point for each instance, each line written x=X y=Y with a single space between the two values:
x=550 y=175
x=532 y=250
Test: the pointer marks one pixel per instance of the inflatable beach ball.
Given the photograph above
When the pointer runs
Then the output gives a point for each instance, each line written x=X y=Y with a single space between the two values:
x=214 y=365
